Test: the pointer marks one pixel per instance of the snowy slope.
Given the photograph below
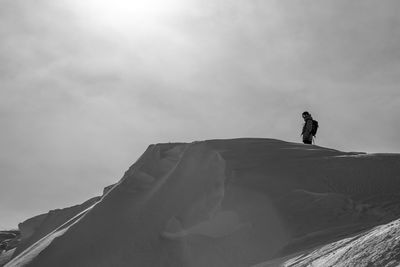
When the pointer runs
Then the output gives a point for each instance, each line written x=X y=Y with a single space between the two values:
x=377 y=247
x=237 y=202
x=39 y=226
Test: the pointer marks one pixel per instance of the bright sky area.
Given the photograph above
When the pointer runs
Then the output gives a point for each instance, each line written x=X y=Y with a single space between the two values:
x=86 y=86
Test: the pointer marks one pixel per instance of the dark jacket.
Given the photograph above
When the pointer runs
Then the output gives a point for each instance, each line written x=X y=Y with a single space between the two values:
x=307 y=128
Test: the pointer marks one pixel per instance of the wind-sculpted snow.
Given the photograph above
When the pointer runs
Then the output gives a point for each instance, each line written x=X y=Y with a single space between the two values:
x=38 y=227
x=238 y=202
x=377 y=247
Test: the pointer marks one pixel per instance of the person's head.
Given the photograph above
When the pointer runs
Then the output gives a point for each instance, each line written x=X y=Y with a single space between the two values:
x=305 y=114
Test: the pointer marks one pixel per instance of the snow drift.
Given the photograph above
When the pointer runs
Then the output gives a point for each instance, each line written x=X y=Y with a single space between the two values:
x=239 y=202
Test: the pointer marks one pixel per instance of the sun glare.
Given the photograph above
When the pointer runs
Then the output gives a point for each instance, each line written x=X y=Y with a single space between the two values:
x=124 y=14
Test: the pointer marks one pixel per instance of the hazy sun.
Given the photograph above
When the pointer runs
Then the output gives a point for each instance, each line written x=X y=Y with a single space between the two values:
x=123 y=14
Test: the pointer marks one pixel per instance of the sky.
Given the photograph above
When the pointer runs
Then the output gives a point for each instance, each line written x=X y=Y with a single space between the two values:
x=86 y=86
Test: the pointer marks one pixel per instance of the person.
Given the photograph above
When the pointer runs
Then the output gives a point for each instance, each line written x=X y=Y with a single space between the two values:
x=307 y=128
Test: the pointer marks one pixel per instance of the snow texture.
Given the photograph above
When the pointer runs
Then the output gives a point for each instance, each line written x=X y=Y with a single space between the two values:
x=239 y=202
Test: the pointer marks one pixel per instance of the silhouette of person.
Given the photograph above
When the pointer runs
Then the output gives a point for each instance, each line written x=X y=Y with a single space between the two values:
x=307 y=128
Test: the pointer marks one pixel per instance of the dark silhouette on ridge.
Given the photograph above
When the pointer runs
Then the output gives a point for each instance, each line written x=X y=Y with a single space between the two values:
x=310 y=128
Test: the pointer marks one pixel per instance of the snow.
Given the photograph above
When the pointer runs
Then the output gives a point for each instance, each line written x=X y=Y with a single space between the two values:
x=377 y=247
x=31 y=252
x=237 y=202
x=40 y=226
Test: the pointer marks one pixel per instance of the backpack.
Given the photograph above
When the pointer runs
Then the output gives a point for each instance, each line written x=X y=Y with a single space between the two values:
x=314 y=127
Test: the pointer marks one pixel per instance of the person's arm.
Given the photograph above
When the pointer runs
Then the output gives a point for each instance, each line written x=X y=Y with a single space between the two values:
x=308 y=128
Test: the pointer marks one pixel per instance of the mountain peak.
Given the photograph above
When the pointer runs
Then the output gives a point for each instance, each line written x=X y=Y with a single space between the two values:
x=236 y=202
